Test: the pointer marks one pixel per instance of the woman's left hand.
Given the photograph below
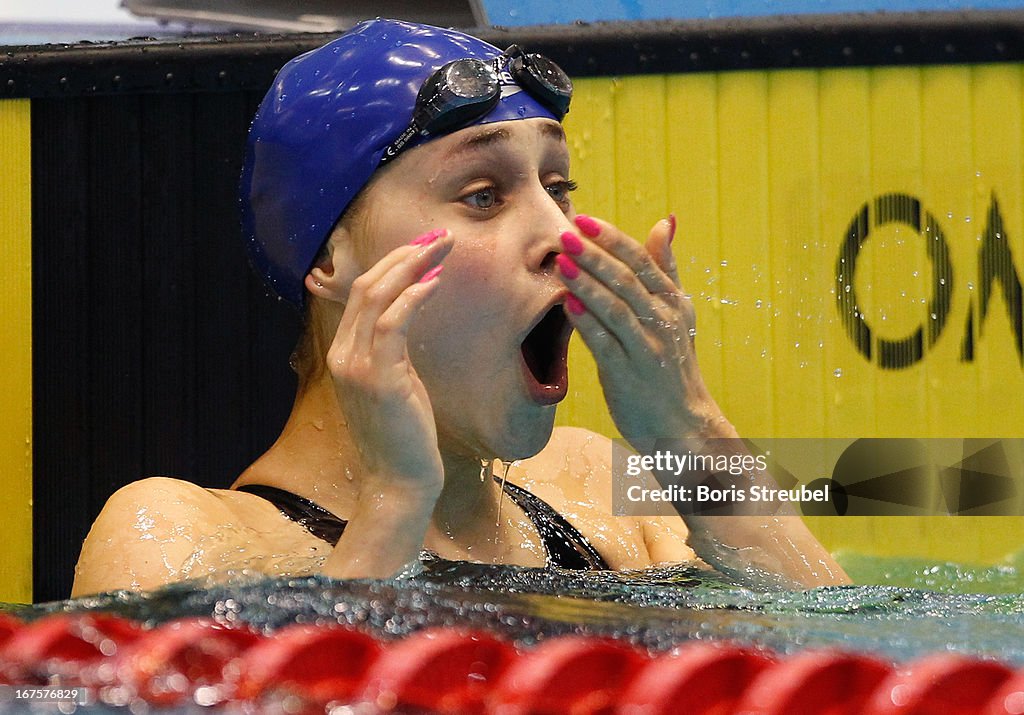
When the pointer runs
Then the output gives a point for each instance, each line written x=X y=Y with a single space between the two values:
x=633 y=316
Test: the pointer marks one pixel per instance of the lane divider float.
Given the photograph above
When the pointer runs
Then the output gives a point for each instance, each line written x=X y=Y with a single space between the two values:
x=309 y=668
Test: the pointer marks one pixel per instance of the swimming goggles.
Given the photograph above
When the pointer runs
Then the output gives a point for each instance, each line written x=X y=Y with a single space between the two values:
x=465 y=90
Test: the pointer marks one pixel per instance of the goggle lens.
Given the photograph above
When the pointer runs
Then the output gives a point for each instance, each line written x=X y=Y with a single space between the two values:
x=545 y=80
x=471 y=79
x=464 y=90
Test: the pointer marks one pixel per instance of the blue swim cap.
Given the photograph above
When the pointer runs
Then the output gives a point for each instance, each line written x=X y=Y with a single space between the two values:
x=323 y=126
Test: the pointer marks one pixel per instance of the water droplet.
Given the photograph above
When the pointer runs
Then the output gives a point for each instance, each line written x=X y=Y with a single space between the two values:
x=838 y=372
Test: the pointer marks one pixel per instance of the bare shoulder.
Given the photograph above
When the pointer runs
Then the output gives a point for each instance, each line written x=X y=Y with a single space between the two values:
x=160 y=530
x=575 y=469
x=145 y=534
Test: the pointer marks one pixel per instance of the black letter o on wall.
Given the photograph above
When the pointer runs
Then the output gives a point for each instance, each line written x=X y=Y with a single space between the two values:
x=905 y=209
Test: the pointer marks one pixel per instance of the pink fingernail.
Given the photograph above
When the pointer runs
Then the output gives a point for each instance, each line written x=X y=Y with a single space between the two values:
x=575 y=305
x=589 y=226
x=428 y=237
x=566 y=265
x=672 y=228
x=431 y=274
x=572 y=243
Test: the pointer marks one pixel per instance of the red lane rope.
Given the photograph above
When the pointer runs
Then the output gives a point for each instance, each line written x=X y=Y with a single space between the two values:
x=312 y=668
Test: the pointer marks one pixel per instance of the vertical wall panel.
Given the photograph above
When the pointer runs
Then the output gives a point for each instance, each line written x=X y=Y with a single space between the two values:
x=691 y=155
x=167 y=309
x=845 y=169
x=948 y=168
x=745 y=259
x=797 y=304
x=894 y=261
x=998 y=175
x=590 y=133
x=16 y=344
x=62 y=358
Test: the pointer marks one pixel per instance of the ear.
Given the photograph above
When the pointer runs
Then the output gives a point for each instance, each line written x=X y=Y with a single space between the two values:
x=335 y=269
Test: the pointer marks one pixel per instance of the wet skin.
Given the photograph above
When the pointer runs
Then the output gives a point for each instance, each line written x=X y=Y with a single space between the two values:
x=426 y=378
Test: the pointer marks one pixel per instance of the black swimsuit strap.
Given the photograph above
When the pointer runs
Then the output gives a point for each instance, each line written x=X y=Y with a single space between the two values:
x=567 y=548
x=314 y=518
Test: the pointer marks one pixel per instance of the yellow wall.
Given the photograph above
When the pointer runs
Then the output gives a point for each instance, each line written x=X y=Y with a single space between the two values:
x=16 y=347
x=765 y=171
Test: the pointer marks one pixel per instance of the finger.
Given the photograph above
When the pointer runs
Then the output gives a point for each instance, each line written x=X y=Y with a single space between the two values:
x=627 y=250
x=616 y=316
x=659 y=246
x=377 y=271
x=392 y=328
x=602 y=344
x=614 y=275
x=379 y=296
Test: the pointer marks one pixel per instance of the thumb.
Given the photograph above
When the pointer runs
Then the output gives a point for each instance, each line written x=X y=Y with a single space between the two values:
x=659 y=245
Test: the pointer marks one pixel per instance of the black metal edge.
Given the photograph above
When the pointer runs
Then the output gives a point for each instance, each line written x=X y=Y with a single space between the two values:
x=220 y=63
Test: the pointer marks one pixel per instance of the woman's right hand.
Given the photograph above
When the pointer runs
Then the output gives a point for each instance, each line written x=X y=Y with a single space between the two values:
x=381 y=397
x=388 y=412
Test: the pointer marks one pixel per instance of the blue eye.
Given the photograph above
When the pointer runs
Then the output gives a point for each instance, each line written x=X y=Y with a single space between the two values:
x=482 y=199
x=559 y=190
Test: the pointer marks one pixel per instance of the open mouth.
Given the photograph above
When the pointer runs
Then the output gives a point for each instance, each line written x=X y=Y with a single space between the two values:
x=544 y=350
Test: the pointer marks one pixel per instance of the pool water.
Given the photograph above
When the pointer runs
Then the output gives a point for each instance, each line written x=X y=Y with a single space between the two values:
x=654 y=608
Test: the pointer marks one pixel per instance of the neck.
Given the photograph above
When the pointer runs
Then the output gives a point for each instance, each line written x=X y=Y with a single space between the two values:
x=315 y=456
x=465 y=497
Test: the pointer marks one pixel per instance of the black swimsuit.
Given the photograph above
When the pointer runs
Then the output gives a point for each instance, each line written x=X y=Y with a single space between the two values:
x=567 y=548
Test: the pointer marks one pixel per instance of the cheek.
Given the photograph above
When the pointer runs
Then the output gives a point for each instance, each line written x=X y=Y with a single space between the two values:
x=467 y=312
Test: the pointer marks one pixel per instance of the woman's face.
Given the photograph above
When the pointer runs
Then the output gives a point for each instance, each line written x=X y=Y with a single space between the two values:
x=502 y=191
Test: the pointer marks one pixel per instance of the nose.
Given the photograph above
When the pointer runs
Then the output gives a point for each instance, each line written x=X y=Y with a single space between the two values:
x=547 y=221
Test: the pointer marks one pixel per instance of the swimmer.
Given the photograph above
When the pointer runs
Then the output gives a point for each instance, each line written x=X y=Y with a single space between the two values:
x=408 y=188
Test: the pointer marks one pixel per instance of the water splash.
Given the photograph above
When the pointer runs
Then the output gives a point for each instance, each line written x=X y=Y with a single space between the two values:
x=656 y=608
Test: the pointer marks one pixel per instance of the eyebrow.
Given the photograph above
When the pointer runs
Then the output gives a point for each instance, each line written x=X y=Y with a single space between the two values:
x=499 y=135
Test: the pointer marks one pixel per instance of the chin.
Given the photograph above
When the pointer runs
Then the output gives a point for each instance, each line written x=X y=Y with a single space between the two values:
x=524 y=438
x=521 y=436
